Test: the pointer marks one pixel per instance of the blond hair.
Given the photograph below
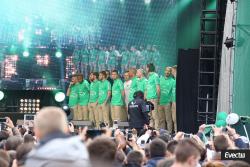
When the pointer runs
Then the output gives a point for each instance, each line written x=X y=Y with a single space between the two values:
x=51 y=119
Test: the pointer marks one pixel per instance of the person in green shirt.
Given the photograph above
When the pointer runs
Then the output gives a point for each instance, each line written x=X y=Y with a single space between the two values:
x=173 y=105
x=141 y=81
x=85 y=61
x=149 y=55
x=132 y=57
x=83 y=94
x=144 y=54
x=93 y=99
x=156 y=58
x=104 y=98
x=152 y=94
x=101 y=59
x=133 y=86
x=72 y=92
x=93 y=58
x=112 y=58
x=125 y=60
x=165 y=114
x=117 y=102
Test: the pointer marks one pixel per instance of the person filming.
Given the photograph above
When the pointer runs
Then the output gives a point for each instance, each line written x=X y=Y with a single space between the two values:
x=138 y=112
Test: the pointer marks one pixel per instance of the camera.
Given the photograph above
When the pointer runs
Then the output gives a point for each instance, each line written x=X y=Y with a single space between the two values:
x=29 y=120
x=2 y=120
x=2 y=124
x=115 y=124
x=186 y=135
x=149 y=106
x=129 y=136
x=102 y=125
x=224 y=129
x=92 y=133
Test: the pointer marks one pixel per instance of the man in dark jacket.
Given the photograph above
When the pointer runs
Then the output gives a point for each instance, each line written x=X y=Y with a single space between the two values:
x=137 y=110
x=157 y=149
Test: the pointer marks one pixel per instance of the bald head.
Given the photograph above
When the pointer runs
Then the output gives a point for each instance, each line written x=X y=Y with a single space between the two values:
x=168 y=71
x=132 y=72
x=49 y=120
x=140 y=73
x=174 y=70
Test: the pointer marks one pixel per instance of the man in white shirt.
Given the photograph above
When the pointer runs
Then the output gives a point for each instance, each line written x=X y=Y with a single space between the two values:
x=127 y=83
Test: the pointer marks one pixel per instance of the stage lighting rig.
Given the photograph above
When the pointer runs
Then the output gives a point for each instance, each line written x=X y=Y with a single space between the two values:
x=29 y=105
x=59 y=97
x=26 y=54
x=1 y=95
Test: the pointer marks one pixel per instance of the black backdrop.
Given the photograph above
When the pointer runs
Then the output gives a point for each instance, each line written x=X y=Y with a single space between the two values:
x=187 y=90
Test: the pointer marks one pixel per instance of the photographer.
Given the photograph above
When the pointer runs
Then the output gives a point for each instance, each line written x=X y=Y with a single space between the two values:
x=137 y=110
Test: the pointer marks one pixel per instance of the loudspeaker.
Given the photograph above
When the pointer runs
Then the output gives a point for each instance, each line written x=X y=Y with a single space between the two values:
x=123 y=125
x=187 y=90
x=20 y=122
x=89 y=124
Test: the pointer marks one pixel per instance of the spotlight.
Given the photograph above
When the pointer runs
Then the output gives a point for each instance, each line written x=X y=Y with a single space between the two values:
x=59 y=96
x=26 y=54
x=66 y=109
x=29 y=105
x=147 y=2
x=1 y=95
x=229 y=42
x=58 y=54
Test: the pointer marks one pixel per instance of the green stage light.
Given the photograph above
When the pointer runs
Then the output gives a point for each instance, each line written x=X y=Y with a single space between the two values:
x=1 y=95
x=58 y=54
x=147 y=1
x=26 y=54
x=59 y=97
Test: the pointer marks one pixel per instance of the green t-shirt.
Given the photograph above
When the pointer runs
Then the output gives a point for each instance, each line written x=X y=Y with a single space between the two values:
x=93 y=55
x=83 y=93
x=85 y=55
x=156 y=57
x=174 y=91
x=125 y=57
x=133 y=58
x=101 y=58
x=149 y=57
x=166 y=86
x=117 y=99
x=144 y=54
x=153 y=81
x=73 y=96
x=141 y=84
x=94 y=91
x=112 y=58
x=133 y=88
x=104 y=87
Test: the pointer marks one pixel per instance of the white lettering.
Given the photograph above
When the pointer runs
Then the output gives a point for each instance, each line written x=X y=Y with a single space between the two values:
x=234 y=155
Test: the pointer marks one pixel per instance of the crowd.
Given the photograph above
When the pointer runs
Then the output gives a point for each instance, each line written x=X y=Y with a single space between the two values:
x=99 y=58
x=53 y=141
x=105 y=99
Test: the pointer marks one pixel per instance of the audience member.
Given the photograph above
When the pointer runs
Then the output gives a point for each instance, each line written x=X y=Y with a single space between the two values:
x=187 y=154
x=56 y=147
x=102 y=151
x=134 y=159
x=158 y=150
